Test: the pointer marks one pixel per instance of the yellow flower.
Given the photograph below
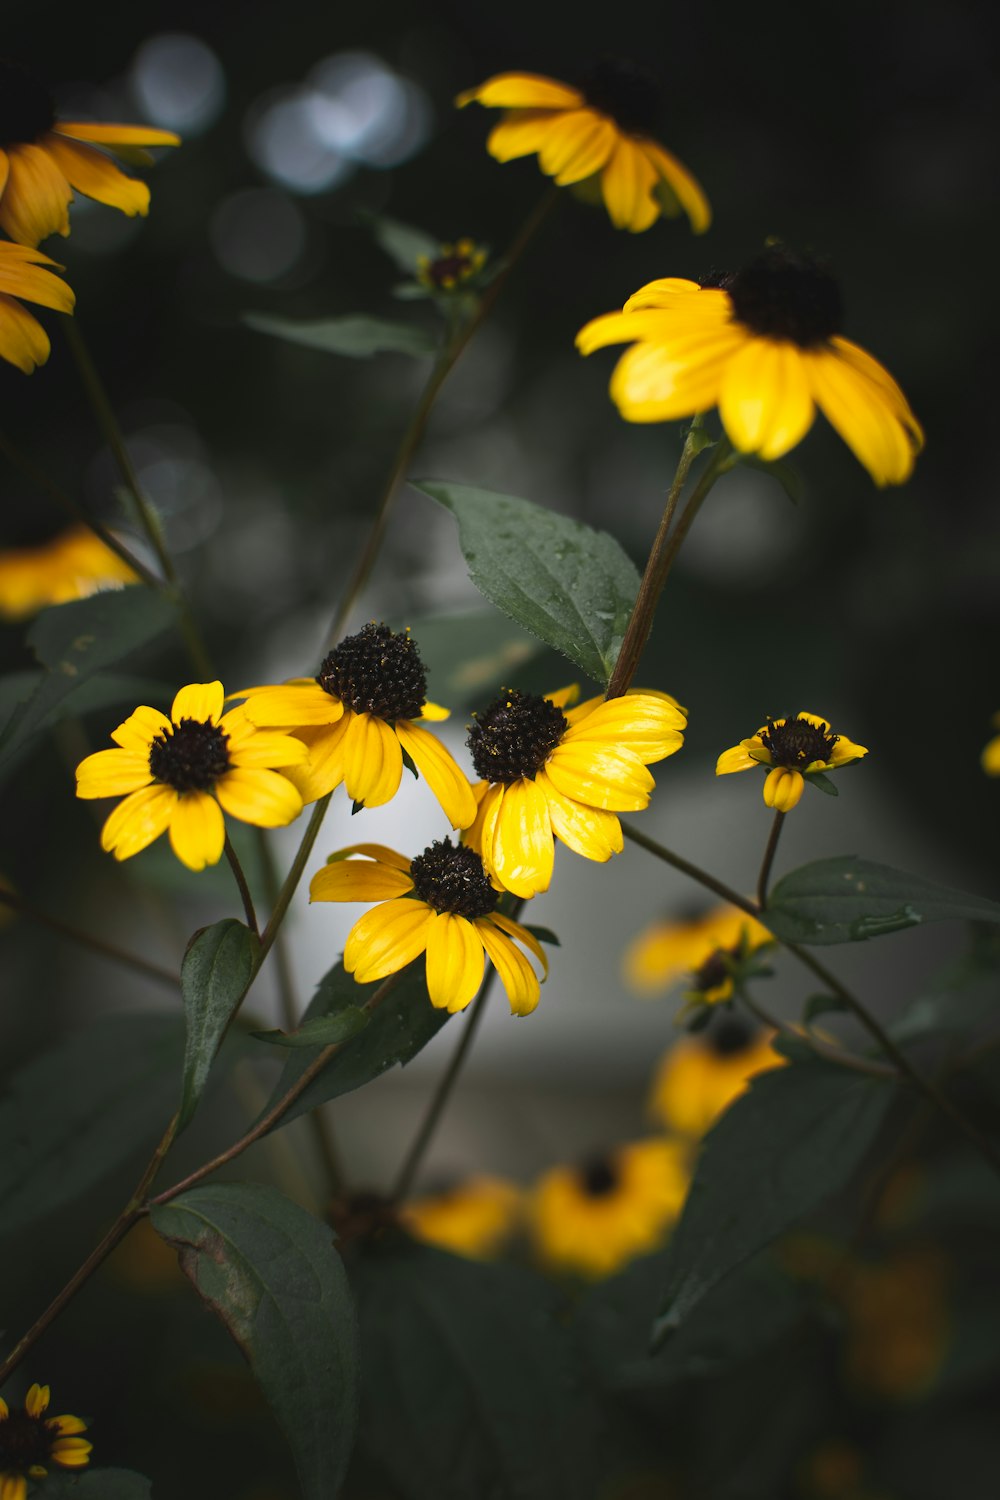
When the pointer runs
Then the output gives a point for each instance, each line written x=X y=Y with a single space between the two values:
x=596 y=136
x=180 y=773
x=665 y=951
x=548 y=774
x=70 y=566
x=702 y=1074
x=592 y=1219
x=764 y=345
x=23 y=340
x=452 y=267
x=44 y=160
x=358 y=716
x=475 y=1218
x=29 y=1441
x=793 y=749
x=441 y=903
x=990 y=759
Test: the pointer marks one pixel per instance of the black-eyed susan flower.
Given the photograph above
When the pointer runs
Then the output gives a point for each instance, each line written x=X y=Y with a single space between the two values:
x=43 y=161
x=476 y=1218
x=70 y=566
x=790 y=750
x=441 y=903
x=365 y=707
x=763 y=345
x=700 y=950
x=548 y=774
x=25 y=277
x=701 y=1075
x=990 y=759
x=596 y=136
x=30 y=1441
x=180 y=773
x=453 y=268
x=592 y=1219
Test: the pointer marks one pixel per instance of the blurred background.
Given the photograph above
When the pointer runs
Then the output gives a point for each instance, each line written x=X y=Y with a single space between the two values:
x=865 y=134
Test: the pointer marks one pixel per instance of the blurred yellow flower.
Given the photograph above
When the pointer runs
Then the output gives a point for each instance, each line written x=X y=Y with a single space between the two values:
x=475 y=1218
x=597 y=137
x=24 y=275
x=30 y=1441
x=990 y=759
x=702 y=1074
x=764 y=346
x=667 y=951
x=70 y=566
x=898 y=1322
x=453 y=266
x=591 y=1220
x=793 y=749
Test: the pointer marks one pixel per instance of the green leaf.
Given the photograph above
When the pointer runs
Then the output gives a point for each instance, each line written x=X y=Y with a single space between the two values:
x=543 y=934
x=77 y=1112
x=218 y=966
x=96 y=1484
x=355 y=337
x=271 y=1273
x=321 y=1031
x=822 y=783
x=75 y=641
x=846 y=900
x=400 y=1028
x=788 y=477
x=402 y=242
x=821 y=1005
x=571 y=586
x=794 y=1139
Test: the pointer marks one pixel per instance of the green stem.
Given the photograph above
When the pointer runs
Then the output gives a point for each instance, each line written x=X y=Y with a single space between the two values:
x=663 y=553
x=85 y=940
x=765 y=869
x=293 y=877
x=242 y=886
x=826 y=1050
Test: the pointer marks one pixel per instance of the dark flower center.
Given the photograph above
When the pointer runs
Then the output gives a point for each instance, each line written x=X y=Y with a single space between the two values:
x=715 y=970
x=26 y=110
x=515 y=736
x=378 y=671
x=730 y=1036
x=795 y=743
x=784 y=296
x=191 y=757
x=626 y=91
x=453 y=879
x=24 y=1442
x=598 y=1176
x=447 y=270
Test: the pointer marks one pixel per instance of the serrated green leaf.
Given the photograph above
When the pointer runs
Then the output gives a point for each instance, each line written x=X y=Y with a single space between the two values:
x=271 y=1273
x=218 y=966
x=403 y=243
x=355 y=337
x=82 y=1109
x=74 y=642
x=571 y=586
x=96 y=1484
x=846 y=900
x=398 y=1029
x=795 y=1138
x=321 y=1031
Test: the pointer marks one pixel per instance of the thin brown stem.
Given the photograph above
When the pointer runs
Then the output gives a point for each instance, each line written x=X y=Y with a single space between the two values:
x=86 y=940
x=827 y=1050
x=763 y=879
x=242 y=886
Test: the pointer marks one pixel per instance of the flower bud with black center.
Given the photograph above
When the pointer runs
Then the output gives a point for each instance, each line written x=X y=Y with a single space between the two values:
x=792 y=750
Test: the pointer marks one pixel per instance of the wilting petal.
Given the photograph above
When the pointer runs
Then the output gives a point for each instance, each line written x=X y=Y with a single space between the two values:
x=522 y=935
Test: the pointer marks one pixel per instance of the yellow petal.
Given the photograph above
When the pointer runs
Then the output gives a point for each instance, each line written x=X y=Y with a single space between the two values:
x=138 y=820
x=324 y=770
x=862 y=361
x=23 y=340
x=522 y=90
x=96 y=176
x=435 y=764
x=516 y=974
x=577 y=145
x=37 y=1399
x=265 y=798
x=665 y=292
x=865 y=414
x=358 y=880
x=588 y=831
x=678 y=377
x=381 y=852
x=600 y=775
x=736 y=759
x=522 y=935
x=201 y=701
x=13 y=1487
x=197 y=830
x=764 y=398
x=67 y=1425
x=651 y=727
x=618 y=328
x=455 y=961
x=680 y=185
x=31 y=282
x=990 y=758
x=141 y=728
x=783 y=789
x=373 y=760
x=35 y=201
x=262 y=747
x=112 y=773
x=520 y=133
x=291 y=706
x=433 y=713
x=521 y=851
x=386 y=939
x=846 y=750
x=115 y=135
x=627 y=182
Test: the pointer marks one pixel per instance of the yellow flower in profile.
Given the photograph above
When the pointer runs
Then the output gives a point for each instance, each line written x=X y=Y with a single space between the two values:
x=358 y=716
x=23 y=276
x=70 y=566
x=181 y=773
x=591 y=1220
x=790 y=749
x=43 y=161
x=703 y=1073
x=30 y=1441
x=547 y=774
x=596 y=136
x=441 y=903
x=667 y=951
x=475 y=1218
x=990 y=759
x=452 y=268
x=763 y=345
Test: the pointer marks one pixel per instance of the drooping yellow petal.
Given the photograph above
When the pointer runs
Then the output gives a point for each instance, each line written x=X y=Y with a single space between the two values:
x=115 y=135
x=358 y=880
x=764 y=398
x=520 y=133
x=680 y=185
x=516 y=974
x=138 y=820
x=522 y=91
x=588 y=831
x=862 y=361
x=265 y=798
x=291 y=705
x=23 y=340
x=669 y=292
x=202 y=701
x=37 y=1400
x=627 y=182
x=736 y=759
x=651 y=727
x=29 y=280
x=577 y=145
x=865 y=414
x=197 y=830
x=13 y=1487
x=845 y=750
x=141 y=728
x=600 y=775
x=436 y=765
x=387 y=938
x=619 y=328
x=522 y=935
x=783 y=788
x=659 y=382
x=324 y=770
x=67 y=1426
x=71 y=1453
x=373 y=760
x=455 y=961
x=112 y=773
x=521 y=851
x=35 y=201
x=96 y=176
